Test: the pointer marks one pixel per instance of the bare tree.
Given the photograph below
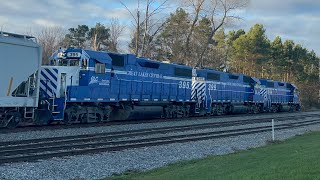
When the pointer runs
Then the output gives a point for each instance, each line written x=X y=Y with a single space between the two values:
x=197 y=6
x=220 y=12
x=136 y=17
x=50 y=38
x=151 y=24
x=116 y=30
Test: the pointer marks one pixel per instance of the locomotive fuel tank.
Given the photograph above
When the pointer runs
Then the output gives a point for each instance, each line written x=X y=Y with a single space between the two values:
x=137 y=112
x=285 y=108
x=239 y=109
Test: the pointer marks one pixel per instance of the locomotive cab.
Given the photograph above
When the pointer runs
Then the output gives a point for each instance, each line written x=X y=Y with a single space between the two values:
x=73 y=76
x=55 y=79
x=63 y=71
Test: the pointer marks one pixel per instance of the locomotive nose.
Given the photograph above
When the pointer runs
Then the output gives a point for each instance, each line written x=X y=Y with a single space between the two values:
x=55 y=79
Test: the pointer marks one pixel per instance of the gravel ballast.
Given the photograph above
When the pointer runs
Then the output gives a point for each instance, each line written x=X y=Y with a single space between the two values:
x=109 y=129
x=109 y=163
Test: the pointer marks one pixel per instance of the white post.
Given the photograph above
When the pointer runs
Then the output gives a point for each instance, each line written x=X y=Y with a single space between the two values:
x=272 y=129
x=319 y=82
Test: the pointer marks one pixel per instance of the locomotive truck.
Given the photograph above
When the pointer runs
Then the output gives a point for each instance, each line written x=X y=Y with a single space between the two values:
x=82 y=86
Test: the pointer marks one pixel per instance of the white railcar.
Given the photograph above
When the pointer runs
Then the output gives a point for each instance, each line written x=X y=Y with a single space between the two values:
x=20 y=58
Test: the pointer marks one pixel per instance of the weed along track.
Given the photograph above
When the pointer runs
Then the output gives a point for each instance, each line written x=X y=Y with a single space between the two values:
x=37 y=149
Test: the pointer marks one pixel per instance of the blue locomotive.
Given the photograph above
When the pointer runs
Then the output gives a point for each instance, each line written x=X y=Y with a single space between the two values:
x=227 y=93
x=83 y=86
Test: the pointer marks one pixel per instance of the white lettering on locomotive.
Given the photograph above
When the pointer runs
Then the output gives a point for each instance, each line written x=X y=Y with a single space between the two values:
x=184 y=85
x=144 y=74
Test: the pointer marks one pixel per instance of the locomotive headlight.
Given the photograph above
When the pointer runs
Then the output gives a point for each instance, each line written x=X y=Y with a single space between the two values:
x=74 y=54
x=60 y=54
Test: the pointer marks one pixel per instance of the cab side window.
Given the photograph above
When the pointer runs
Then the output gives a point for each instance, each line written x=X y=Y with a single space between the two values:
x=84 y=64
x=100 y=68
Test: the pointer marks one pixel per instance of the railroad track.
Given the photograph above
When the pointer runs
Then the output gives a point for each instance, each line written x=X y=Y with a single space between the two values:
x=37 y=149
x=57 y=126
x=148 y=131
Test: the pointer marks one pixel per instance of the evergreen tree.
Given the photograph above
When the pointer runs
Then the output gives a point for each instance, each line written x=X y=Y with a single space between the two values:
x=288 y=58
x=277 y=59
x=76 y=36
x=99 y=37
x=233 y=35
x=253 y=50
x=170 y=42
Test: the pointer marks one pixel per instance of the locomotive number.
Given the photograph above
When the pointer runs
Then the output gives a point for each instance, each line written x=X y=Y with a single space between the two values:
x=184 y=85
x=212 y=87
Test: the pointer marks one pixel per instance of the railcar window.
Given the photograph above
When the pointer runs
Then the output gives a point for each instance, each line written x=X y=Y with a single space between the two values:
x=247 y=79
x=280 y=84
x=270 y=84
x=100 y=68
x=213 y=76
x=231 y=76
x=117 y=60
x=182 y=72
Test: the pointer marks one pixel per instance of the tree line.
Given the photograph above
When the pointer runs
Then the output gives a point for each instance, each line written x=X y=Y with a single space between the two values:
x=194 y=35
x=100 y=38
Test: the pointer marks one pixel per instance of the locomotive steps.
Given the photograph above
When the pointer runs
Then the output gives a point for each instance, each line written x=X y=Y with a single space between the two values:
x=32 y=150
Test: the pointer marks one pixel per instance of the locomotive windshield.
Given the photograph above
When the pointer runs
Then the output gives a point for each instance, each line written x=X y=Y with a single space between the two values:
x=65 y=62
x=74 y=62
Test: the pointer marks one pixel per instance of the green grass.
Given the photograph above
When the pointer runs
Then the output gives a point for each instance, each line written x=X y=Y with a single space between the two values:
x=296 y=158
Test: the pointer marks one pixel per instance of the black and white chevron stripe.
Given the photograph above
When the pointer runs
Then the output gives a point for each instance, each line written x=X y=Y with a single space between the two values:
x=198 y=90
x=49 y=81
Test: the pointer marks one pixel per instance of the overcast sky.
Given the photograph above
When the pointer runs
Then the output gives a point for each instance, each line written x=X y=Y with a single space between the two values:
x=298 y=20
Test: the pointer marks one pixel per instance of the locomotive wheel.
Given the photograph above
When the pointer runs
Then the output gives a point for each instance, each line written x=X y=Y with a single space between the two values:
x=256 y=109
x=175 y=114
x=67 y=119
x=274 y=109
x=83 y=118
x=291 y=109
x=186 y=112
x=99 y=118
x=13 y=120
x=214 y=110
x=91 y=118
x=228 y=109
x=219 y=110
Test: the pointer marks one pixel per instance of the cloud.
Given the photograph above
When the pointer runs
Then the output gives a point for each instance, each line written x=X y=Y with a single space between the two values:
x=284 y=7
x=291 y=19
x=45 y=23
